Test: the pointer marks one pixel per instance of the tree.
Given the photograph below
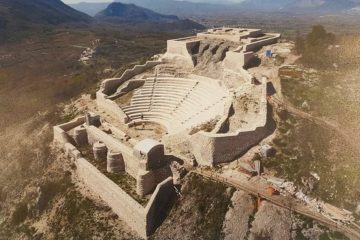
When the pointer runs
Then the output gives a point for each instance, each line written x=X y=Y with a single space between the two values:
x=318 y=38
x=299 y=44
x=316 y=44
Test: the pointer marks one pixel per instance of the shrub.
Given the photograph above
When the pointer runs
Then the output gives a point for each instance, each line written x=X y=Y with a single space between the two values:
x=314 y=45
x=20 y=213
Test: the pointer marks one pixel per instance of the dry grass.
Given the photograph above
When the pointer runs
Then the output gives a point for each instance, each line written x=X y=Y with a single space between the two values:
x=304 y=146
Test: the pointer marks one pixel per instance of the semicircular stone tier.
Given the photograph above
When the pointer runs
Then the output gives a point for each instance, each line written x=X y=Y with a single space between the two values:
x=177 y=103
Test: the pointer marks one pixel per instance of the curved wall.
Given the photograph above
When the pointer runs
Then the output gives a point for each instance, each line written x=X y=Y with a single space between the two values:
x=110 y=85
x=213 y=148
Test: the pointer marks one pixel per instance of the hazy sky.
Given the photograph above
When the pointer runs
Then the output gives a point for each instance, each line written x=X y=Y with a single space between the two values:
x=76 y=1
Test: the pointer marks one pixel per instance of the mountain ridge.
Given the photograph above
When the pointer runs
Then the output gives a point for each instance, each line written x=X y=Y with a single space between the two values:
x=120 y=13
x=131 y=12
x=51 y=12
x=188 y=8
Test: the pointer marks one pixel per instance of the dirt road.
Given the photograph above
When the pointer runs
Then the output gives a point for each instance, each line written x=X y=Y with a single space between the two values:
x=257 y=187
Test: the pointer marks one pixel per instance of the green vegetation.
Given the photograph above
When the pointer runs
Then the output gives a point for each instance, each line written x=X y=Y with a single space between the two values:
x=50 y=189
x=79 y=217
x=314 y=45
x=20 y=213
x=304 y=146
x=38 y=73
x=199 y=213
x=306 y=223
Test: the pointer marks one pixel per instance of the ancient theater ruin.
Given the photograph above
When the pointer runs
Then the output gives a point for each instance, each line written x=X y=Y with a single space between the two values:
x=199 y=103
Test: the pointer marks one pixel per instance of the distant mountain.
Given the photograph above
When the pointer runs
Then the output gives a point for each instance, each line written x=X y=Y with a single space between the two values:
x=322 y=5
x=131 y=14
x=299 y=5
x=90 y=8
x=28 y=12
x=179 y=8
x=266 y=5
x=188 y=8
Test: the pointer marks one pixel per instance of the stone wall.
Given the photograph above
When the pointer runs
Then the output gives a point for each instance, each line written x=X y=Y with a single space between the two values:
x=235 y=37
x=224 y=119
x=111 y=107
x=258 y=44
x=146 y=179
x=237 y=60
x=60 y=135
x=213 y=148
x=143 y=220
x=160 y=202
x=131 y=85
x=121 y=203
x=210 y=149
x=131 y=162
x=182 y=50
x=110 y=85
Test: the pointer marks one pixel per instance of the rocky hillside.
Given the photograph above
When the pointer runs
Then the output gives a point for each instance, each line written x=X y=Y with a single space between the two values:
x=131 y=12
x=193 y=8
x=38 y=12
x=20 y=18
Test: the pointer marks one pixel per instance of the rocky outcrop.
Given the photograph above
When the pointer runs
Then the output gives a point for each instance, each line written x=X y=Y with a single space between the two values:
x=240 y=214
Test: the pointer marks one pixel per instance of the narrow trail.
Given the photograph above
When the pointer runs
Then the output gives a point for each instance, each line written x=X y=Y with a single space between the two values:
x=350 y=138
x=286 y=202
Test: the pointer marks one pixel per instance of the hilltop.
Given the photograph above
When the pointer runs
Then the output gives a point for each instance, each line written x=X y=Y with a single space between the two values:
x=53 y=12
x=189 y=8
x=131 y=12
x=120 y=13
x=22 y=17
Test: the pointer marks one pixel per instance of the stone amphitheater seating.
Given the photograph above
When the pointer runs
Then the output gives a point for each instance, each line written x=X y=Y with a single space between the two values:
x=177 y=103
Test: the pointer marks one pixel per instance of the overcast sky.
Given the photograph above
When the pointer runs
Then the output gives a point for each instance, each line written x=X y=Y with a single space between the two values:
x=77 y=1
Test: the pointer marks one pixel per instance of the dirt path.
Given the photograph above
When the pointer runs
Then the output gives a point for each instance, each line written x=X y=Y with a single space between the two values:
x=256 y=187
x=351 y=138
x=280 y=102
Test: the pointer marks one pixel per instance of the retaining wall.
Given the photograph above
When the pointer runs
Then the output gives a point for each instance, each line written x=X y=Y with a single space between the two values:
x=146 y=180
x=229 y=37
x=132 y=85
x=210 y=149
x=182 y=49
x=213 y=148
x=142 y=220
x=183 y=46
x=60 y=135
x=111 y=107
x=160 y=202
x=237 y=60
x=131 y=163
x=256 y=45
x=232 y=38
x=109 y=85
x=129 y=210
